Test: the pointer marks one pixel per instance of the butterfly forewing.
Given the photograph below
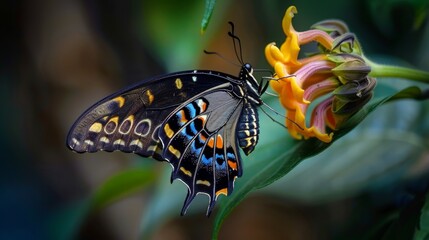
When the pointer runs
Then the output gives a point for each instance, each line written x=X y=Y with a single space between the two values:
x=129 y=120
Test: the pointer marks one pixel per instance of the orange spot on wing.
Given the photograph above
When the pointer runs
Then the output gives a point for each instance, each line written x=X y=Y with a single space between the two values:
x=223 y=191
x=203 y=106
x=211 y=142
x=232 y=165
x=183 y=119
x=219 y=142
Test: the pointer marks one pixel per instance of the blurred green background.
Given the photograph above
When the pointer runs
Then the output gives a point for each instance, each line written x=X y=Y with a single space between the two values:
x=59 y=57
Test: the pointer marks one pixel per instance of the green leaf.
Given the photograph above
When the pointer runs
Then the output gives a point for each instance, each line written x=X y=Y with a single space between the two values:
x=284 y=156
x=207 y=14
x=411 y=92
x=121 y=185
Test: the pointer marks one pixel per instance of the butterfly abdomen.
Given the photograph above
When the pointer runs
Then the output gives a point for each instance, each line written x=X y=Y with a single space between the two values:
x=248 y=128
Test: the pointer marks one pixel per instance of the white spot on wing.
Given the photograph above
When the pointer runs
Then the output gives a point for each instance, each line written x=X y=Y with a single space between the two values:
x=75 y=142
x=104 y=140
x=119 y=142
x=137 y=143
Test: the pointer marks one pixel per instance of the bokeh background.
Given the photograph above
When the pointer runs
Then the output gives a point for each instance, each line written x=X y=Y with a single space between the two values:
x=59 y=57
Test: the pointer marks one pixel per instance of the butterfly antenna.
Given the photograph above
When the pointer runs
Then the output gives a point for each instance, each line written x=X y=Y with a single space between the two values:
x=279 y=114
x=239 y=51
x=222 y=57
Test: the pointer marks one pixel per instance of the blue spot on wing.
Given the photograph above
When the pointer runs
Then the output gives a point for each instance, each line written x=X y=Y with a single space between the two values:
x=192 y=128
x=230 y=155
x=206 y=160
x=185 y=132
x=192 y=110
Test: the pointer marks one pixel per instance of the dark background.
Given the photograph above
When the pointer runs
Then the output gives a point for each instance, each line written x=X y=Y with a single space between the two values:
x=59 y=57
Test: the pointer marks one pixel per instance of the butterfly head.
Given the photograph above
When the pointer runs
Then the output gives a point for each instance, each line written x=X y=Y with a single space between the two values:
x=246 y=71
x=248 y=68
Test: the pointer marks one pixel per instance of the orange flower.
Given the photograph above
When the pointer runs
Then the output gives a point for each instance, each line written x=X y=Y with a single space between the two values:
x=337 y=72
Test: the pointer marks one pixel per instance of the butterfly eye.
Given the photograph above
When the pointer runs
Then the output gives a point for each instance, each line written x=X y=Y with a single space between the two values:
x=248 y=67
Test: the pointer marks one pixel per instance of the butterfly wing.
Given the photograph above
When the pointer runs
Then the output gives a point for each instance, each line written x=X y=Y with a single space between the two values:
x=188 y=119
x=129 y=120
x=199 y=141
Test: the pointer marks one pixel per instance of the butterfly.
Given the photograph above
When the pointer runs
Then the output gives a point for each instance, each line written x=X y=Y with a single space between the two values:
x=195 y=120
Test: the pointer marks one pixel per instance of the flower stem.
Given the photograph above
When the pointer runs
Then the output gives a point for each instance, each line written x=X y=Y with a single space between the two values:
x=379 y=70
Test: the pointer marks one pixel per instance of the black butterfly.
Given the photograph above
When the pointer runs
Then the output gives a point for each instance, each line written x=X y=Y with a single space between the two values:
x=195 y=120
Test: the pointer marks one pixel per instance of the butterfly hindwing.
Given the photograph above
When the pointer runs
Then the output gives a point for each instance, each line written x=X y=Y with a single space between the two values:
x=200 y=143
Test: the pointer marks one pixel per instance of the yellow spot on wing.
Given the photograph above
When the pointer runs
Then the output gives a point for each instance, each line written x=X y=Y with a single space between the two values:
x=120 y=100
x=178 y=83
x=152 y=148
x=249 y=141
x=131 y=121
x=114 y=120
x=150 y=96
x=174 y=151
x=96 y=127
x=203 y=182
x=131 y=118
x=186 y=172
x=247 y=132
x=168 y=130
x=223 y=191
